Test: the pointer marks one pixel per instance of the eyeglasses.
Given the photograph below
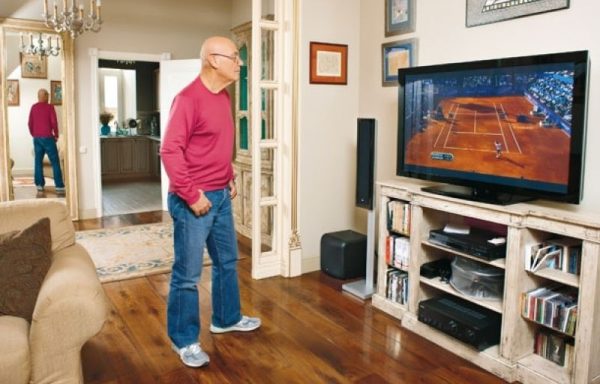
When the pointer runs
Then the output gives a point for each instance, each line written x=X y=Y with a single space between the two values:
x=235 y=57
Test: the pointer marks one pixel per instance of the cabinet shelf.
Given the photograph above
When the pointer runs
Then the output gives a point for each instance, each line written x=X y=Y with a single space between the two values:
x=544 y=370
x=499 y=263
x=557 y=276
x=548 y=327
x=526 y=225
x=494 y=305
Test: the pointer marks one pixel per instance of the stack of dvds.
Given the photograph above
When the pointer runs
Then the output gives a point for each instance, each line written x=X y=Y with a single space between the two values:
x=554 y=307
x=397 y=251
x=397 y=286
x=398 y=217
x=553 y=347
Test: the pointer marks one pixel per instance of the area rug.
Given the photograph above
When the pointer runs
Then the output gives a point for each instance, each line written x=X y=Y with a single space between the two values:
x=129 y=252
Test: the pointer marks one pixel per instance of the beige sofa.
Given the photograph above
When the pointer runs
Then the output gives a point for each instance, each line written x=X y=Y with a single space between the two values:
x=71 y=306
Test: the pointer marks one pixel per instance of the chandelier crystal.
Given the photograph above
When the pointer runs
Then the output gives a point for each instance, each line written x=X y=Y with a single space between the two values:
x=42 y=46
x=72 y=18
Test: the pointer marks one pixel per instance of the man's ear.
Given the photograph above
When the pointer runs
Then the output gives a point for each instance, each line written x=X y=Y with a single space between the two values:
x=212 y=61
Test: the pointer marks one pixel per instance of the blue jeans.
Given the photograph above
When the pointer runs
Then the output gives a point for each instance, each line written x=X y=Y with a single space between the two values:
x=191 y=234
x=42 y=146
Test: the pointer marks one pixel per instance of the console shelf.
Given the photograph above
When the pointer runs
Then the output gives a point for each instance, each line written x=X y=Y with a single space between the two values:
x=525 y=225
x=499 y=263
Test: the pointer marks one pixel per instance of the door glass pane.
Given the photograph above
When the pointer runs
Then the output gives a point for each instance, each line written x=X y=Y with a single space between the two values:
x=243 y=133
x=268 y=10
x=268 y=113
x=243 y=95
x=267 y=70
x=267 y=180
x=267 y=229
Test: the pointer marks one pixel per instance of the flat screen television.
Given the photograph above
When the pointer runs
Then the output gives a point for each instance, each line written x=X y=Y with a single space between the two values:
x=498 y=131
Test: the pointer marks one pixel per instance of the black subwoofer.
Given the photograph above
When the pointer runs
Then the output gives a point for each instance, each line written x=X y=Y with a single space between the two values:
x=343 y=254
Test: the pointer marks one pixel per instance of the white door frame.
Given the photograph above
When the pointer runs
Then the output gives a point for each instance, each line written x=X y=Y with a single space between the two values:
x=95 y=56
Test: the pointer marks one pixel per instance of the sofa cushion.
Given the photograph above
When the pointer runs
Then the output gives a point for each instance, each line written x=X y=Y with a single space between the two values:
x=25 y=257
x=15 y=361
x=21 y=214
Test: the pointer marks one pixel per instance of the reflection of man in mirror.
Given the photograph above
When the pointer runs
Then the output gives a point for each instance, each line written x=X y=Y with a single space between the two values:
x=43 y=126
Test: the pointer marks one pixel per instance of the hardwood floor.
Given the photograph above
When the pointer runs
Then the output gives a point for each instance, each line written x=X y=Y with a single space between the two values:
x=130 y=197
x=311 y=333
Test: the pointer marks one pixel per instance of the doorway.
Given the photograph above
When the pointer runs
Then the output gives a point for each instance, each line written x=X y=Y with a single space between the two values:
x=127 y=170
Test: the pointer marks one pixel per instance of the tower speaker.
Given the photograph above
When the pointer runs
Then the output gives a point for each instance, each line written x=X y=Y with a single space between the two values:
x=365 y=162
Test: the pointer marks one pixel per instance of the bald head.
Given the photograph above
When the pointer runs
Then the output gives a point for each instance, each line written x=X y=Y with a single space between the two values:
x=216 y=44
x=43 y=95
x=220 y=63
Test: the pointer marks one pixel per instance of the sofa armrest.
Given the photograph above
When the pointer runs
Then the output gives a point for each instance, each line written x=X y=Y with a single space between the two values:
x=71 y=308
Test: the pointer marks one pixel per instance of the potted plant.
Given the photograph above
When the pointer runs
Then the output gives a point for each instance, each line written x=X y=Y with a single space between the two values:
x=105 y=118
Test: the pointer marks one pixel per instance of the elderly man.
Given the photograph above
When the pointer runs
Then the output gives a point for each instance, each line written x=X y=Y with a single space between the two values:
x=43 y=126
x=196 y=151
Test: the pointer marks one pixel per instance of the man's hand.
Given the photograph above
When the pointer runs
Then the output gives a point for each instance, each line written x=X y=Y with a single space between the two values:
x=202 y=206
x=232 y=189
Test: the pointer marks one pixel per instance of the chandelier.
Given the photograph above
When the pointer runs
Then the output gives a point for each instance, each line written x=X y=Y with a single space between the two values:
x=72 y=18
x=40 y=46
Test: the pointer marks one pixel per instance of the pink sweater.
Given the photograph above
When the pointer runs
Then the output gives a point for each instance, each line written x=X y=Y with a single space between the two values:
x=197 y=148
x=42 y=120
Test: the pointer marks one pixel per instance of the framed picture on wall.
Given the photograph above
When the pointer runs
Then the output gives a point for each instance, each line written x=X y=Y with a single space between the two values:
x=12 y=92
x=34 y=66
x=481 y=12
x=396 y=55
x=55 y=92
x=328 y=63
x=399 y=16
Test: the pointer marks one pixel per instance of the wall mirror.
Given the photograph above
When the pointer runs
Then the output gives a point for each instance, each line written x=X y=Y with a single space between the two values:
x=22 y=75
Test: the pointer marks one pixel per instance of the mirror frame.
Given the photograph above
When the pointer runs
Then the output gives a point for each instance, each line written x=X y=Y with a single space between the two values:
x=68 y=112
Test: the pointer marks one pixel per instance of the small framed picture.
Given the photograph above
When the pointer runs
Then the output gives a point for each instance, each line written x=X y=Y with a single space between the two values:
x=399 y=16
x=328 y=63
x=396 y=55
x=12 y=93
x=56 y=92
x=34 y=66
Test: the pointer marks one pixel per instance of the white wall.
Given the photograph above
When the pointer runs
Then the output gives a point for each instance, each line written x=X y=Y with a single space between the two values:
x=443 y=37
x=327 y=142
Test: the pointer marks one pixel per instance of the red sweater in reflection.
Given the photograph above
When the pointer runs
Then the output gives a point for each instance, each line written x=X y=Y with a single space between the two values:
x=42 y=120
x=197 y=147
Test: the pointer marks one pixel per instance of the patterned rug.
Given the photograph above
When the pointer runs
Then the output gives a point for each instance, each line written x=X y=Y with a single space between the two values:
x=129 y=252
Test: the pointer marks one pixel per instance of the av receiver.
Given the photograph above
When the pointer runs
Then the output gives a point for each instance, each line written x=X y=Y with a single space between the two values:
x=468 y=322
x=479 y=243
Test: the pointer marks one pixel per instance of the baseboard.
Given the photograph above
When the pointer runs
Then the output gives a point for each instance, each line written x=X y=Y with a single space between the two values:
x=311 y=264
x=88 y=214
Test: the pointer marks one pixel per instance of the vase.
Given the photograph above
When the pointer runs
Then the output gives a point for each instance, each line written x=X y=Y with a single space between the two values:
x=105 y=130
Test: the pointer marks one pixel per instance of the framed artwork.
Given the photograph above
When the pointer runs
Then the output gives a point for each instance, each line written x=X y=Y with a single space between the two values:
x=328 y=63
x=56 y=92
x=396 y=55
x=34 y=66
x=399 y=16
x=481 y=12
x=12 y=92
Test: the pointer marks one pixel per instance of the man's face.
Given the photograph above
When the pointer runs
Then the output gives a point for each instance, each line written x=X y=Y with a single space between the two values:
x=229 y=61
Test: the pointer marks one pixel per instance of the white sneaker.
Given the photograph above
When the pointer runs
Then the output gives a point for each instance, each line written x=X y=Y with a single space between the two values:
x=192 y=355
x=245 y=325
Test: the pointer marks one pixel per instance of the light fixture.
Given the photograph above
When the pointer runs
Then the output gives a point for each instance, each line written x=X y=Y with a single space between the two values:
x=42 y=46
x=72 y=18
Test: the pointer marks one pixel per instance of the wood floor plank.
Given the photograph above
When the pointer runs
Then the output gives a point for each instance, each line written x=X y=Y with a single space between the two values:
x=312 y=332
x=144 y=314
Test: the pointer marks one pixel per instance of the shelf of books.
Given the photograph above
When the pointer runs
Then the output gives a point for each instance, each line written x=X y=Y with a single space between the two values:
x=392 y=293
x=549 y=303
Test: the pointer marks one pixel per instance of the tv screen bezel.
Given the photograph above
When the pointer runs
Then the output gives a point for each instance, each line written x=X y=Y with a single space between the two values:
x=574 y=191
